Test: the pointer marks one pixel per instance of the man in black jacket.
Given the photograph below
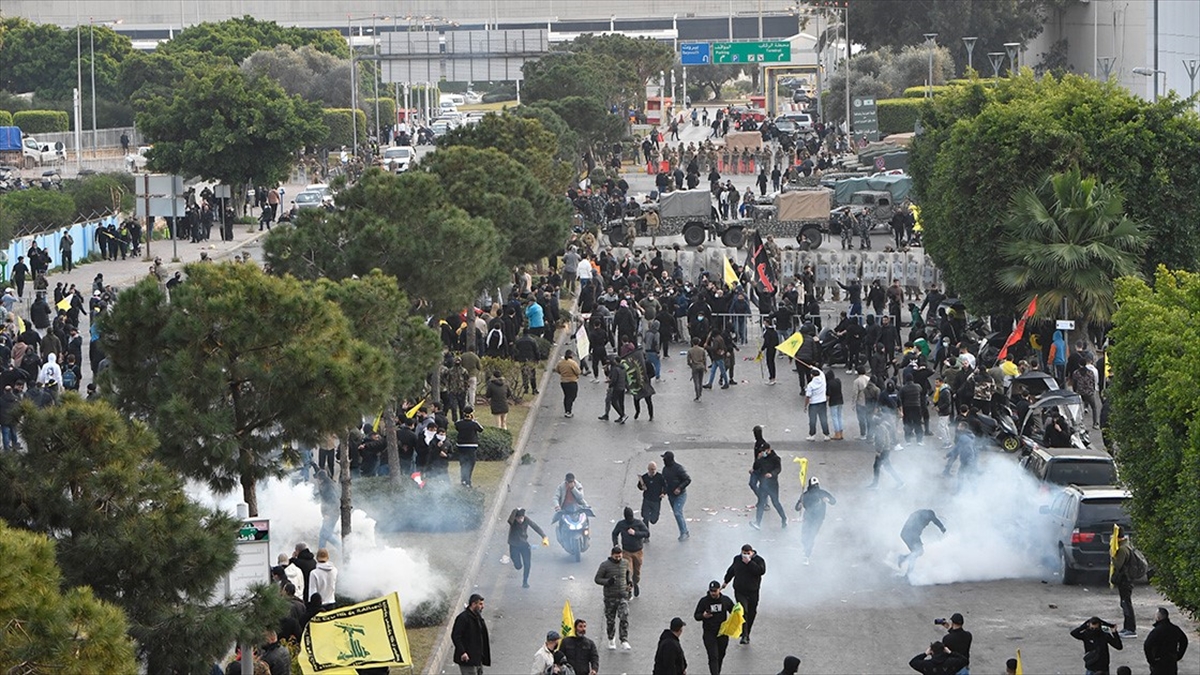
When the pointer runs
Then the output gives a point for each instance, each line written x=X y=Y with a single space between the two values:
x=958 y=640
x=1165 y=645
x=677 y=482
x=746 y=572
x=669 y=658
x=305 y=561
x=937 y=660
x=768 y=467
x=632 y=533
x=653 y=487
x=1097 y=636
x=711 y=612
x=580 y=650
x=472 y=650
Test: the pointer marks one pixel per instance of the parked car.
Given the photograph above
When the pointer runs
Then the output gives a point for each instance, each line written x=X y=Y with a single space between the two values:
x=397 y=158
x=309 y=200
x=803 y=120
x=1083 y=519
x=1070 y=466
x=136 y=161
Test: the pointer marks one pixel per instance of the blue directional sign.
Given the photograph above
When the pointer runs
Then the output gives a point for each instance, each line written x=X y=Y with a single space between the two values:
x=695 y=53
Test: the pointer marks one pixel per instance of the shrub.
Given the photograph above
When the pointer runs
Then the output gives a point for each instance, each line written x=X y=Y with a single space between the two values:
x=898 y=115
x=387 y=113
x=42 y=121
x=5 y=118
x=101 y=193
x=29 y=209
x=337 y=120
x=511 y=370
x=428 y=614
x=494 y=444
x=407 y=507
x=919 y=91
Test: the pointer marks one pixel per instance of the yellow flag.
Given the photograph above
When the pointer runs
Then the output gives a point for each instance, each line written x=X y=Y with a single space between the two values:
x=731 y=277
x=64 y=304
x=791 y=345
x=370 y=633
x=758 y=356
x=803 y=462
x=732 y=626
x=1020 y=666
x=377 y=422
x=568 y=620
x=411 y=412
x=1113 y=545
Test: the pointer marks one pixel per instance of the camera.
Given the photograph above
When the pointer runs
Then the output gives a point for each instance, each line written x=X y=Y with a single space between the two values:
x=939 y=622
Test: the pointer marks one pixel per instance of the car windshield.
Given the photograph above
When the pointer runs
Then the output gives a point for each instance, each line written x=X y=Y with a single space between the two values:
x=393 y=153
x=308 y=197
x=1082 y=472
x=1102 y=512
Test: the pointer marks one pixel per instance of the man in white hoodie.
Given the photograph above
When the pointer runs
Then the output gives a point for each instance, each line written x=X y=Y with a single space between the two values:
x=323 y=580
x=51 y=372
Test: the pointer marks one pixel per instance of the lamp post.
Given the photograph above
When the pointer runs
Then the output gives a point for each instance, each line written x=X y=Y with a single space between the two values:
x=354 y=79
x=1013 y=49
x=92 y=50
x=1192 y=66
x=969 y=42
x=997 y=60
x=931 y=43
x=1152 y=72
x=1105 y=63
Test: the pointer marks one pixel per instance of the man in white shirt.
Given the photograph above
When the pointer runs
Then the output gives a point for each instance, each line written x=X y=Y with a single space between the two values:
x=817 y=405
x=543 y=659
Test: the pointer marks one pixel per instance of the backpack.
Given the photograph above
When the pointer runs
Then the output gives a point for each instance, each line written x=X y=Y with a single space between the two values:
x=69 y=381
x=1136 y=566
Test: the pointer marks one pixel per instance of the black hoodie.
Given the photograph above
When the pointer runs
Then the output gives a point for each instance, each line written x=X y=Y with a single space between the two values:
x=669 y=658
x=790 y=665
x=307 y=562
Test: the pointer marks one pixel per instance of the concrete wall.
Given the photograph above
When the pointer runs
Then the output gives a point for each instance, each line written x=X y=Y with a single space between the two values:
x=334 y=12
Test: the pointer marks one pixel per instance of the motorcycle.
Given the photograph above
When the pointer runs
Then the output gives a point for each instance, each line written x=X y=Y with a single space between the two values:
x=573 y=530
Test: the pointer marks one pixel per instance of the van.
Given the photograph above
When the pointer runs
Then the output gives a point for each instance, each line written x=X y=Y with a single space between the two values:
x=454 y=100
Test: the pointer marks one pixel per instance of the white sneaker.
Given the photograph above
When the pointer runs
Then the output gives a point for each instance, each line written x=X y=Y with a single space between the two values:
x=825 y=438
x=805 y=560
x=625 y=645
x=811 y=438
x=612 y=643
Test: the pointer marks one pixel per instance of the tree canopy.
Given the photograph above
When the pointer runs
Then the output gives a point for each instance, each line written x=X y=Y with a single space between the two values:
x=984 y=141
x=124 y=527
x=491 y=184
x=1155 y=361
x=521 y=138
x=236 y=367
x=238 y=38
x=405 y=225
x=221 y=126
x=41 y=58
x=49 y=620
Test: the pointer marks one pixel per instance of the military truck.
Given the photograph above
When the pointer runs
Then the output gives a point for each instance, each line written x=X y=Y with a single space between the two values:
x=801 y=214
x=876 y=205
x=682 y=212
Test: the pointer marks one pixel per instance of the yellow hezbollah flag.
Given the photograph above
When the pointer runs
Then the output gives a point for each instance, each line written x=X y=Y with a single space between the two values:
x=791 y=345
x=568 y=620
x=1113 y=545
x=412 y=412
x=731 y=277
x=367 y=634
x=377 y=422
x=803 y=462
x=732 y=626
x=64 y=304
x=1020 y=666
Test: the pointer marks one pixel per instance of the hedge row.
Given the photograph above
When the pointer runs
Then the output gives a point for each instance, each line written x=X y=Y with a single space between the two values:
x=919 y=92
x=5 y=118
x=41 y=121
x=898 y=115
x=341 y=133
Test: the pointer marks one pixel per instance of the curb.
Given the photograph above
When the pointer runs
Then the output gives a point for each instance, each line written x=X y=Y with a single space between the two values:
x=436 y=663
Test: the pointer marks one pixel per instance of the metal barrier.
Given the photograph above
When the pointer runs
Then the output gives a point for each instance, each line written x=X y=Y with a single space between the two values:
x=104 y=138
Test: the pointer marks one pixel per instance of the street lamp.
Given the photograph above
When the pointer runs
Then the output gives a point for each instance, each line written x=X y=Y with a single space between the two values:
x=1152 y=72
x=354 y=79
x=931 y=43
x=970 y=44
x=997 y=60
x=1013 y=49
x=1192 y=66
x=1106 y=65
x=92 y=37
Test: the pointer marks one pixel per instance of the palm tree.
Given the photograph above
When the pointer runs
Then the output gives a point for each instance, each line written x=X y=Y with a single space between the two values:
x=1066 y=242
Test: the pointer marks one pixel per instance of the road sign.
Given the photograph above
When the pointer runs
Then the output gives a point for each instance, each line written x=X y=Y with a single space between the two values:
x=777 y=51
x=864 y=116
x=253 y=565
x=695 y=54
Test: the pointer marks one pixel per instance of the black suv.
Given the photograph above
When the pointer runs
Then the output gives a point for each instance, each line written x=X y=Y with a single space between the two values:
x=1070 y=466
x=1083 y=519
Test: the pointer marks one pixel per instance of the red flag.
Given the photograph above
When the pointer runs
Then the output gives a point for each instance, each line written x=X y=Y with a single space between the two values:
x=1015 y=336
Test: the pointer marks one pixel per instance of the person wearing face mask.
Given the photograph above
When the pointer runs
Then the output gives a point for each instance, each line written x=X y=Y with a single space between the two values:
x=746 y=572
x=441 y=450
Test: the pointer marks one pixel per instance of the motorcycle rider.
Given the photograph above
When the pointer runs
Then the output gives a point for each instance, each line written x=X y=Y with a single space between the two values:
x=569 y=497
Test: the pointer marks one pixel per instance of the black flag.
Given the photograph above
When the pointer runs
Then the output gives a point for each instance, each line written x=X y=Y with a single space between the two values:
x=764 y=273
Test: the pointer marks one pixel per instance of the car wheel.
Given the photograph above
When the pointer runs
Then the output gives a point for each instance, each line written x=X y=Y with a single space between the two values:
x=616 y=236
x=1066 y=574
x=1011 y=443
x=734 y=237
x=693 y=235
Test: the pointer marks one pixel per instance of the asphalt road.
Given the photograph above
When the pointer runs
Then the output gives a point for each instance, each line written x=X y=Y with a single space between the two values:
x=847 y=612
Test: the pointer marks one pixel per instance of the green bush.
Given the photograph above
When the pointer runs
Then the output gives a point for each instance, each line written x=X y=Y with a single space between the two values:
x=407 y=507
x=24 y=210
x=387 y=113
x=341 y=133
x=511 y=370
x=494 y=444
x=919 y=92
x=42 y=121
x=898 y=115
x=101 y=193
x=5 y=118
x=428 y=614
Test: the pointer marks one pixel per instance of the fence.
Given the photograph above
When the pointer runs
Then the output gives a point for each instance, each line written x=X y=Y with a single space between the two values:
x=105 y=138
x=83 y=234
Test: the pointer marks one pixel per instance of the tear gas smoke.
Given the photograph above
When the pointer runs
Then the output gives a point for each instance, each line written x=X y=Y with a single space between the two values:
x=366 y=569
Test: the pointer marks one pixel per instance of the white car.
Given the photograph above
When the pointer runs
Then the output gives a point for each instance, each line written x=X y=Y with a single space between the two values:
x=309 y=200
x=136 y=161
x=397 y=158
